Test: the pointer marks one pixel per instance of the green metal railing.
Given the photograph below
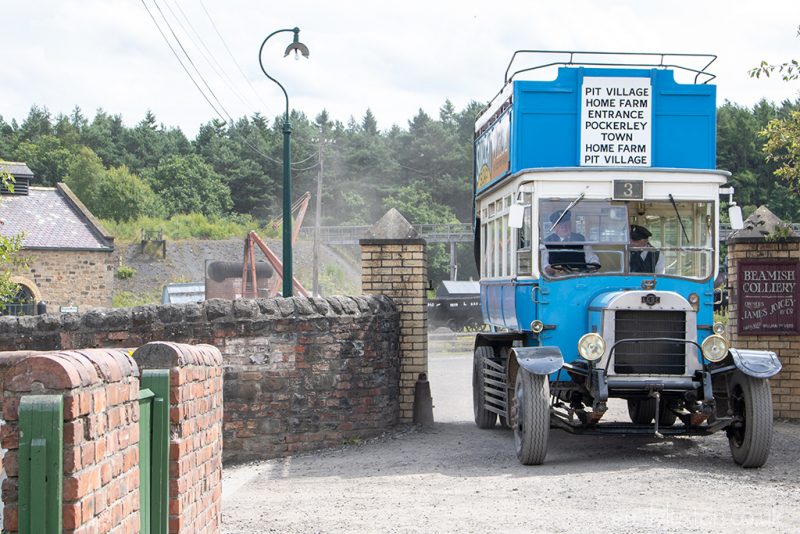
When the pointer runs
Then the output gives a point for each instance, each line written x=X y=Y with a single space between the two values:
x=154 y=451
x=41 y=463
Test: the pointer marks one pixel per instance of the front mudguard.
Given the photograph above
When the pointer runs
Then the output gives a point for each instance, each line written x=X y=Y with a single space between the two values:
x=539 y=360
x=756 y=363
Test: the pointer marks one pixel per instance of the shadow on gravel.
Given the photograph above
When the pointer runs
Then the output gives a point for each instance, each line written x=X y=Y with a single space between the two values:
x=462 y=450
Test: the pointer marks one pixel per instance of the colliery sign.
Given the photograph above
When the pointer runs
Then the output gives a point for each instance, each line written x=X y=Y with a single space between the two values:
x=767 y=296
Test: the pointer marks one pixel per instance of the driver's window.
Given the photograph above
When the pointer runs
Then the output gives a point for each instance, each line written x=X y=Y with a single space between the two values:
x=589 y=237
x=682 y=233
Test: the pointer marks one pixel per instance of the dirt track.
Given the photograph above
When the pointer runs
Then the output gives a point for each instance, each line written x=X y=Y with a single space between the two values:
x=454 y=477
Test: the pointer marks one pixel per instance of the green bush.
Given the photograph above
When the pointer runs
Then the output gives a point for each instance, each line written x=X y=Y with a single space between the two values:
x=124 y=272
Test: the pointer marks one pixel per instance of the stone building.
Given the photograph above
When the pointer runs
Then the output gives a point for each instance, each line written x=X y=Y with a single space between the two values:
x=70 y=256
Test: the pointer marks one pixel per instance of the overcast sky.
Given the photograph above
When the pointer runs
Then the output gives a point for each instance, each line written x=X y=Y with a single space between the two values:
x=392 y=57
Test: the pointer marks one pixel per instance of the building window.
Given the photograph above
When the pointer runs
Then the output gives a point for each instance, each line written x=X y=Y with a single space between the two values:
x=20 y=304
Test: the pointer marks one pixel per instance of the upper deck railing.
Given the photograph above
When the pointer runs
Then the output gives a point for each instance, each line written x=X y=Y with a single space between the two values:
x=661 y=60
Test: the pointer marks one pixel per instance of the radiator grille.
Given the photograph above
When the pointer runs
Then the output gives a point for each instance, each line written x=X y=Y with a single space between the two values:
x=650 y=357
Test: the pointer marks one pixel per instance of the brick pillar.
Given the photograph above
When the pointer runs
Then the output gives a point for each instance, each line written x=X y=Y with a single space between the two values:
x=7 y=362
x=394 y=263
x=766 y=239
x=195 y=441
x=100 y=389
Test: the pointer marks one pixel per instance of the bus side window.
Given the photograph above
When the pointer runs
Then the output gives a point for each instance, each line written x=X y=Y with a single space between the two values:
x=524 y=244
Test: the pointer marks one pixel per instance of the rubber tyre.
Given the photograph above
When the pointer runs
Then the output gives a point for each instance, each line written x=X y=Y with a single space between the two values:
x=750 y=398
x=531 y=417
x=483 y=417
x=642 y=411
x=667 y=417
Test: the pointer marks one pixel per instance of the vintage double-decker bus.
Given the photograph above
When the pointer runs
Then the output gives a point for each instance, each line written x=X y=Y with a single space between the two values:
x=597 y=237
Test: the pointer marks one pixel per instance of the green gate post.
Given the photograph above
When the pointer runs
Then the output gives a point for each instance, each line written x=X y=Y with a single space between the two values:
x=41 y=463
x=145 y=468
x=157 y=437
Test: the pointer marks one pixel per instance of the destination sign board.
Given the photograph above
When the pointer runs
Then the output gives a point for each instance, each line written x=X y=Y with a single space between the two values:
x=616 y=122
x=767 y=297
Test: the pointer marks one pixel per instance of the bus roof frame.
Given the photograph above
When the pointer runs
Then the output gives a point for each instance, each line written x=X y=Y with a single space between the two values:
x=574 y=61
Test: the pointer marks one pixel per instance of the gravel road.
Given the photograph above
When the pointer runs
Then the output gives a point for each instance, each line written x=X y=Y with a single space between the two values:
x=454 y=477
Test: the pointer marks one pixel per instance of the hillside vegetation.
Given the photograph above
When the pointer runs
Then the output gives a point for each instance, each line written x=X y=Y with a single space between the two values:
x=227 y=180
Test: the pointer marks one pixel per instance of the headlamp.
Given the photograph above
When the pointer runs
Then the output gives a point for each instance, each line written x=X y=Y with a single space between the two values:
x=715 y=348
x=591 y=346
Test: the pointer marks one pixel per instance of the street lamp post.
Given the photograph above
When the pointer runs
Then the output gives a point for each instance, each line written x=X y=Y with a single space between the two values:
x=298 y=48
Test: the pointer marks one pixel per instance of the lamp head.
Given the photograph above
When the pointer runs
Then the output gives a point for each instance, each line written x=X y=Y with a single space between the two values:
x=297 y=47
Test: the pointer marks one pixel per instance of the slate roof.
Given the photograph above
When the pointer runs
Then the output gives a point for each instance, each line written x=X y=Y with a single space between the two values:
x=50 y=219
x=16 y=168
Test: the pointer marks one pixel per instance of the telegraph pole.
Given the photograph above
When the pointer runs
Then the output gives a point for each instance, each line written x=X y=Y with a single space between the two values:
x=318 y=215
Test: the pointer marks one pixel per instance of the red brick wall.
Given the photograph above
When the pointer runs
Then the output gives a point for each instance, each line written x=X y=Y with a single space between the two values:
x=101 y=434
x=195 y=416
x=7 y=361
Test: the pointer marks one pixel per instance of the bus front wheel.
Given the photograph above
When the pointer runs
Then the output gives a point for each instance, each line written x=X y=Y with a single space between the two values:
x=531 y=417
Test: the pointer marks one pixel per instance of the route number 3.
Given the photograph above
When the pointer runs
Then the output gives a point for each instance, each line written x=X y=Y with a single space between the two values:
x=628 y=190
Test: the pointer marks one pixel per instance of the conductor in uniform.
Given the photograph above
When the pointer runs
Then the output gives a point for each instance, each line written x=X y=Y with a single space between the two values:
x=643 y=257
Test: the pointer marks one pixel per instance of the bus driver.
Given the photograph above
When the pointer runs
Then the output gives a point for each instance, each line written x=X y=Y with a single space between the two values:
x=558 y=256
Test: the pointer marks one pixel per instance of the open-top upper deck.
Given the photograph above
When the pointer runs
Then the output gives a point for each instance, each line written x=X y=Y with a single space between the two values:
x=598 y=115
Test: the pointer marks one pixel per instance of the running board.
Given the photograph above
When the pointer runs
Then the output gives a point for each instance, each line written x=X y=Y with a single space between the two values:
x=634 y=429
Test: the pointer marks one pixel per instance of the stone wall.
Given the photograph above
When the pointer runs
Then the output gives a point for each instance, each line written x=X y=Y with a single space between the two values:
x=319 y=372
x=69 y=278
x=300 y=374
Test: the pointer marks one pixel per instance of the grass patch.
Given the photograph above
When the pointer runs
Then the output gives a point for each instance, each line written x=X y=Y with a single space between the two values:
x=191 y=226
x=129 y=299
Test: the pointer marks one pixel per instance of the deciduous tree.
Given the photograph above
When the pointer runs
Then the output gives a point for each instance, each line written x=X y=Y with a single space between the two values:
x=126 y=196
x=186 y=184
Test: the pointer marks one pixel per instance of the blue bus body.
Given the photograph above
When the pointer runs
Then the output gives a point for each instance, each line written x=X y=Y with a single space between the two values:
x=545 y=122
x=596 y=217
x=514 y=305
x=544 y=134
